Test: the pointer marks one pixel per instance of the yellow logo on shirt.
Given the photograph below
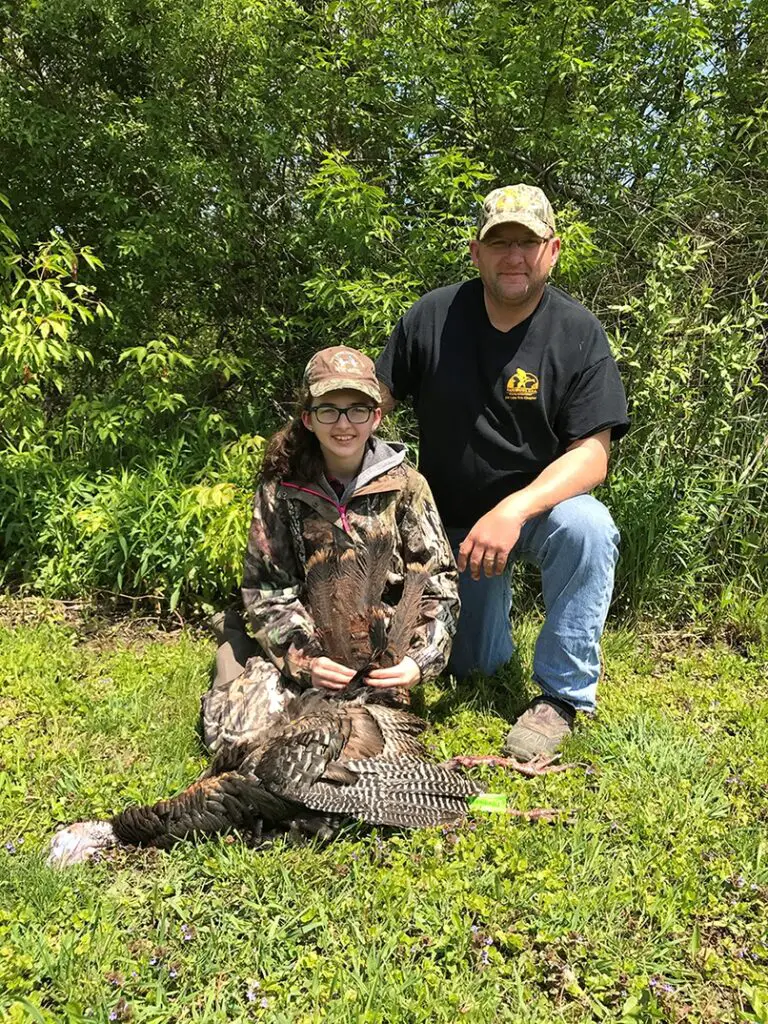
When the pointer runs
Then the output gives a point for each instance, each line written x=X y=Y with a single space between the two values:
x=522 y=385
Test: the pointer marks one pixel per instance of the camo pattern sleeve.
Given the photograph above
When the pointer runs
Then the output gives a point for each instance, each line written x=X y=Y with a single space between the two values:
x=423 y=540
x=273 y=582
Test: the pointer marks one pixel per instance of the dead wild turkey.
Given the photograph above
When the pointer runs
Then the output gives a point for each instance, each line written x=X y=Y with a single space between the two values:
x=330 y=759
x=333 y=760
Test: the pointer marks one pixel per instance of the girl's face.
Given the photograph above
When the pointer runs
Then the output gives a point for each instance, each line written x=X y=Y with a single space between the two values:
x=345 y=439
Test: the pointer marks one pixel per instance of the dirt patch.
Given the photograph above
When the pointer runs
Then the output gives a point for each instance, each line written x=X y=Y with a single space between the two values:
x=100 y=623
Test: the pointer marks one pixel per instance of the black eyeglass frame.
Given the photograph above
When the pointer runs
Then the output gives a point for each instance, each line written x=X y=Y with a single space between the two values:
x=343 y=410
x=526 y=244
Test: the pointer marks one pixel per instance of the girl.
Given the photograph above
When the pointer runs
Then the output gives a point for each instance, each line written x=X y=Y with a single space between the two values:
x=326 y=483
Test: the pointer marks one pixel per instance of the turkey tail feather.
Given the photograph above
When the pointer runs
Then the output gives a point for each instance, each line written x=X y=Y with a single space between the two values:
x=377 y=632
x=406 y=616
x=378 y=557
x=323 y=589
x=351 y=584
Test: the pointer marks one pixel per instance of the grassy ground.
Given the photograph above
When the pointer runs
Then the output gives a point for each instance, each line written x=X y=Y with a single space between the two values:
x=649 y=904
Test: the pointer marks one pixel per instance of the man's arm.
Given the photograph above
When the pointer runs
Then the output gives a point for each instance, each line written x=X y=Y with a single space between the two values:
x=577 y=471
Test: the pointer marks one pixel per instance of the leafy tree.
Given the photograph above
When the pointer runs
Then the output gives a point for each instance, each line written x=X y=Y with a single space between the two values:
x=263 y=178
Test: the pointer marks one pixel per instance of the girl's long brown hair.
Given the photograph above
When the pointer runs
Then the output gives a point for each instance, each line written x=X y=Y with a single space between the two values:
x=293 y=451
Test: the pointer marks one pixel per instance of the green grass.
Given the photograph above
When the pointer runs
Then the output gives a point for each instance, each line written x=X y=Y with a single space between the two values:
x=647 y=904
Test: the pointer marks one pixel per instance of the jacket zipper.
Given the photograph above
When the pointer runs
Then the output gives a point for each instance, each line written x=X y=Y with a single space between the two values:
x=342 y=509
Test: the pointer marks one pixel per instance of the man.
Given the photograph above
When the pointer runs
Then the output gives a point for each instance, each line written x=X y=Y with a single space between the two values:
x=517 y=398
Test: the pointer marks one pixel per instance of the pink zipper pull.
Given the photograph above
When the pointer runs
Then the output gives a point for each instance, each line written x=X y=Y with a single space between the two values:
x=319 y=494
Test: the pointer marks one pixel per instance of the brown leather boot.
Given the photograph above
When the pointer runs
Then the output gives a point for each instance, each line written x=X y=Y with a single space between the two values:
x=541 y=729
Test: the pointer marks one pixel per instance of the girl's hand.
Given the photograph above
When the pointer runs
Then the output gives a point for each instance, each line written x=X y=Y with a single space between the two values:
x=406 y=673
x=330 y=675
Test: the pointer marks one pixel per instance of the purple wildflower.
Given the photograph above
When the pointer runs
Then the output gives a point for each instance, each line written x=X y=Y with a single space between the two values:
x=10 y=848
x=264 y=1002
x=188 y=932
x=661 y=986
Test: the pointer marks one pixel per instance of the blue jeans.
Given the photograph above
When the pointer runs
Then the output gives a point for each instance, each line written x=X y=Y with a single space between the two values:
x=576 y=546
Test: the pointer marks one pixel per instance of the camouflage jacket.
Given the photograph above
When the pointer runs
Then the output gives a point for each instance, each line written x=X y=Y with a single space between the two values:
x=293 y=518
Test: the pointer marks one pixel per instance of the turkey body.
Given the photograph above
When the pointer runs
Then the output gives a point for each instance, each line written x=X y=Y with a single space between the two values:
x=331 y=760
x=327 y=758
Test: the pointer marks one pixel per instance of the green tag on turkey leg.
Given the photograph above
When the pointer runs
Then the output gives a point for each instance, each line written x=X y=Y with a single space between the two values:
x=492 y=803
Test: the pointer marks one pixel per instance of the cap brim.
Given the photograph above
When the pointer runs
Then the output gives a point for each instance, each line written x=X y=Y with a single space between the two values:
x=539 y=227
x=322 y=387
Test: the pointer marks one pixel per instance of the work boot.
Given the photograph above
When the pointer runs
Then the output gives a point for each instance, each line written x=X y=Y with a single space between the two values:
x=544 y=725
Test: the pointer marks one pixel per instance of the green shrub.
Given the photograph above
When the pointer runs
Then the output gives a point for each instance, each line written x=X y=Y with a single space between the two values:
x=164 y=532
x=246 y=218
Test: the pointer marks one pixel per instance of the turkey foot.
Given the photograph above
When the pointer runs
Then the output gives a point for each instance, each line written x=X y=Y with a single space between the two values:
x=537 y=813
x=541 y=765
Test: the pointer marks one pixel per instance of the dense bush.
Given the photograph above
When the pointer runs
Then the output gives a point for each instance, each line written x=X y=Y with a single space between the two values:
x=262 y=179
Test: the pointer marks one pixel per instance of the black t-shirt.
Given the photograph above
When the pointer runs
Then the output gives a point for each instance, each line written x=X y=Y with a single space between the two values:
x=495 y=408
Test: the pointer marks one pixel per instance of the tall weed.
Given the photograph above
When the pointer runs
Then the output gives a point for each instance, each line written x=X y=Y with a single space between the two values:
x=133 y=474
x=690 y=480
x=161 y=532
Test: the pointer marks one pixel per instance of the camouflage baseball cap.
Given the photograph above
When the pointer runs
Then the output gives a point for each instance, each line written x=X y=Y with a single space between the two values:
x=339 y=367
x=517 y=204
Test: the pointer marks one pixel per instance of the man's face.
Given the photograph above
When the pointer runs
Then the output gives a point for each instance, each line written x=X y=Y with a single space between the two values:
x=514 y=263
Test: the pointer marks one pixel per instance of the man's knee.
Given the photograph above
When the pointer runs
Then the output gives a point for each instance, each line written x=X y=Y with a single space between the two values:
x=586 y=522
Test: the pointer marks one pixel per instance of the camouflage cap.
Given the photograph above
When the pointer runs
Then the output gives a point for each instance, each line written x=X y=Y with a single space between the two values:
x=517 y=204
x=339 y=367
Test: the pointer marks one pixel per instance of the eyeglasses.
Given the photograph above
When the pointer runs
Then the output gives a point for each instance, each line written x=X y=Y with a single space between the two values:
x=332 y=413
x=527 y=245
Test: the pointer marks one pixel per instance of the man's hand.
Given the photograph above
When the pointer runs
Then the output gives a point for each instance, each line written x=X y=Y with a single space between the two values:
x=330 y=675
x=406 y=673
x=487 y=546
x=580 y=468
